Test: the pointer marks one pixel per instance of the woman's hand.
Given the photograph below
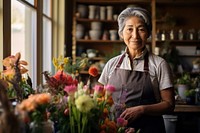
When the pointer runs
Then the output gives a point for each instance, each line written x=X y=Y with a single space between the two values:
x=132 y=113
x=130 y=130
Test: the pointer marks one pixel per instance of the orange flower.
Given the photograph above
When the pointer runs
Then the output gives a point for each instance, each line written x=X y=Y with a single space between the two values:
x=42 y=98
x=33 y=101
x=10 y=62
x=109 y=100
x=93 y=71
x=105 y=112
x=111 y=125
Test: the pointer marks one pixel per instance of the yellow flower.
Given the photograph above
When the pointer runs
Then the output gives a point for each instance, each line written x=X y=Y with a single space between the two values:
x=84 y=103
x=55 y=63
x=66 y=60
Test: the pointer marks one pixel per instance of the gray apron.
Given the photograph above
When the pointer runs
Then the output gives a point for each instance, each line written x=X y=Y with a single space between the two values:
x=134 y=88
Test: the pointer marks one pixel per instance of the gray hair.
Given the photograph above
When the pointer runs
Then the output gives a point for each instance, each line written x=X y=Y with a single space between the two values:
x=134 y=11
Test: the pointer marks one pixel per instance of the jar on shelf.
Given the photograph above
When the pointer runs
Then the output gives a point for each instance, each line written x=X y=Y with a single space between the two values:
x=171 y=35
x=180 y=34
x=80 y=31
x=113 y=35
x=82 y=10
x=158 y=35
x=109 y=12
x=163 y=36
x=102 y=12
x=191 y=34
x=92 y=11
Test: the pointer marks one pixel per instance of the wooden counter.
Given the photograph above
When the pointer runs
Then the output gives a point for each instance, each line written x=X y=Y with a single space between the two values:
x=186 y=108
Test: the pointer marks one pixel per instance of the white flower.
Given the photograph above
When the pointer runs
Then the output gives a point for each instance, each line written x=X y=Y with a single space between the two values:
x=84 y=103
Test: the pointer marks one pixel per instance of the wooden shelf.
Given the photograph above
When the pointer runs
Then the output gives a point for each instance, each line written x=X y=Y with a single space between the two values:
x=94 y=58
x=186 y=108
x=105 y=2
x=99 y=41
x=180 y=42
x=95 y=20
x=178 y=2
x=83 y=41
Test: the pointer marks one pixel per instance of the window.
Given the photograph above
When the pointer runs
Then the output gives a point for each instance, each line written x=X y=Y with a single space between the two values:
x=23 y=35
x=32 y=33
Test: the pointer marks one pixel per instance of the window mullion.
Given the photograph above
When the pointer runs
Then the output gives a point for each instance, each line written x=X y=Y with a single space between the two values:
x=39 y=40
x=6 y=28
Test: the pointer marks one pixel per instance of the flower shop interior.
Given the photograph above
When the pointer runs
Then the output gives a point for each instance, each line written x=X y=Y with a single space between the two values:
x=46 y=44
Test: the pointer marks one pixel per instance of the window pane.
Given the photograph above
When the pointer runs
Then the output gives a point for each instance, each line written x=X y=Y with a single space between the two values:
x=46 y=7
x=47 y=45
x=23 y=35
x=30 y=1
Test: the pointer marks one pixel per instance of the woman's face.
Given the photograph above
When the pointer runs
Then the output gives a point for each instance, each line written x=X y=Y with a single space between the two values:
x=134 y=33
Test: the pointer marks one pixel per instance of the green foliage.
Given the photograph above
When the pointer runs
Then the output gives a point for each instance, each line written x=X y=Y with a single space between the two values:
x=74 y=67
x=185 y=78
x=170 y=54
x=26 y=90
x=190 y=92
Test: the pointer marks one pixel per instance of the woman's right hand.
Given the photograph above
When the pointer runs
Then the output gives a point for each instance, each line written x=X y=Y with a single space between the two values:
x=130 y=130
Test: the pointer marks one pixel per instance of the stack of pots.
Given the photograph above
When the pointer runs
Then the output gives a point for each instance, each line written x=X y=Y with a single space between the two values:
x=95 y=32
x=79 y=31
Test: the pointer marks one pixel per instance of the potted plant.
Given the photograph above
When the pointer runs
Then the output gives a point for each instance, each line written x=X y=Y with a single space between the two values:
x=190 y=96
x=183 y=83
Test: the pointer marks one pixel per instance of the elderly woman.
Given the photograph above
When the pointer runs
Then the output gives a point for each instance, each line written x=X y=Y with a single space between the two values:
x=143 y=80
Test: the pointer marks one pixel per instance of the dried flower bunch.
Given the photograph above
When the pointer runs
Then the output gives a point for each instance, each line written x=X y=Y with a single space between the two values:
x=19 y=86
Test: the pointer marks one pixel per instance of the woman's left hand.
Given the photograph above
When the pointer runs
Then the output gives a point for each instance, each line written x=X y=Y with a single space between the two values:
x=132 y=113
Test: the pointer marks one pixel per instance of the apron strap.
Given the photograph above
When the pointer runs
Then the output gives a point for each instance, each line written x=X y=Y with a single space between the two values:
x=146 y=62
x=120 y=61
x=146 y=70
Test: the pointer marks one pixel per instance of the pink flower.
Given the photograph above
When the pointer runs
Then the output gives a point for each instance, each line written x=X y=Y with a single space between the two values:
x=70 y=89
x=121 y=122
x=98 y=89
x=109 y=89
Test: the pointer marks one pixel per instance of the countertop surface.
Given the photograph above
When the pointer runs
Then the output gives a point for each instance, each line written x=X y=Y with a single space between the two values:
x=187 y=108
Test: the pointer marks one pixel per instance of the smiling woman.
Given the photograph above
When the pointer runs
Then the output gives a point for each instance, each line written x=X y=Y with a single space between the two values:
x=133 y=74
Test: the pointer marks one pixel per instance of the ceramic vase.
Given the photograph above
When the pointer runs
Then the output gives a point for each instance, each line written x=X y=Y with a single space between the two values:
x=43 y=127
x=181 y=91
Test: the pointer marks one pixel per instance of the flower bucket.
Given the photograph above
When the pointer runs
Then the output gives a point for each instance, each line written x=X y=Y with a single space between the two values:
x=43 y=127
x=181 y=91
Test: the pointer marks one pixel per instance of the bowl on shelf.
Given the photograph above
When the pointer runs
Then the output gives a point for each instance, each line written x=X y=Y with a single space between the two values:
x=91 y=53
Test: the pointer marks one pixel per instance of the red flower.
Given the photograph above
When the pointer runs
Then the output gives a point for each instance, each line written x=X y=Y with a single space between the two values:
x=93 y=71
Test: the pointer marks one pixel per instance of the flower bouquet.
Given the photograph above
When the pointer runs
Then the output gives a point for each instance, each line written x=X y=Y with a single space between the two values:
x=78 y=107
x=64 y=102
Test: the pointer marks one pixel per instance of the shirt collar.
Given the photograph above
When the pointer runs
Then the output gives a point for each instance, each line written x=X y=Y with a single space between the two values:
x=141 y=57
